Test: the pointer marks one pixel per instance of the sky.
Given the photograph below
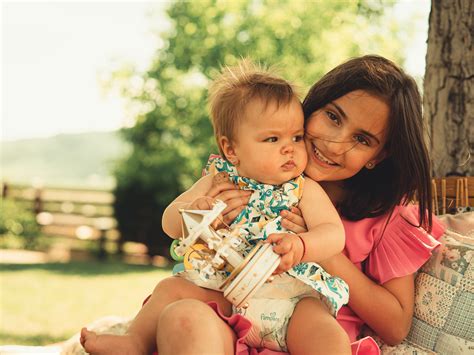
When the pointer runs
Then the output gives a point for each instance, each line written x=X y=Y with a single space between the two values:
x=52 y=54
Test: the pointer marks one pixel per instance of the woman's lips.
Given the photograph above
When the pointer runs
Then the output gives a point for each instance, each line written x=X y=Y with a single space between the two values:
x=322 y=159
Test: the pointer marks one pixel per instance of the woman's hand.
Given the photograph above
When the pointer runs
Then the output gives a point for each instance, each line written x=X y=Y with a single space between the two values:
x=293 y=220
x=232 y=196
x=201 y=203
x=386 y=308
x=290 y=248
x=205 y=203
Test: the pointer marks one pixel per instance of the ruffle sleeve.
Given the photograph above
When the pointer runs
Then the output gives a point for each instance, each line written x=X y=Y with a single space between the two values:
x=403 y=247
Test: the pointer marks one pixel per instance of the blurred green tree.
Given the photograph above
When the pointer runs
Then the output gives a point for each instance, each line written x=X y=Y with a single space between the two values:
x=18 y=227
x=172 y=136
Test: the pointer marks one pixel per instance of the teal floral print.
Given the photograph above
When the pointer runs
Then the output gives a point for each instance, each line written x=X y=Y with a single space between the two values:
x=261 y=217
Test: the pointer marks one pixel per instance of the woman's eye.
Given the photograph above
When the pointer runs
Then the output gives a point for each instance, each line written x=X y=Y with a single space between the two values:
x=271 y=139
x=362 y=140
x=332 y=116
x=298 y=138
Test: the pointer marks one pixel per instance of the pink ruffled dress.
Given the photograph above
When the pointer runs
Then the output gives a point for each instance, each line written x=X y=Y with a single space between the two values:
x=401 y=250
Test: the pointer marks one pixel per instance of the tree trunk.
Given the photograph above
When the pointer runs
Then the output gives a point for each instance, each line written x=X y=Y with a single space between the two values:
x=449 y=87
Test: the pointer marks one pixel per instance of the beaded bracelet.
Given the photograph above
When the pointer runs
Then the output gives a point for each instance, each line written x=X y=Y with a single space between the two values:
x=304 y=246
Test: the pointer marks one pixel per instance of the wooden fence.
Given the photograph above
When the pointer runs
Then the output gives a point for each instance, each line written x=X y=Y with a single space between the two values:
x=72 y=213
x=88 y=214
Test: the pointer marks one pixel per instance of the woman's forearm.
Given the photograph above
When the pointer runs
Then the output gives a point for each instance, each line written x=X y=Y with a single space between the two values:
x=387 y=309
x=171 y=221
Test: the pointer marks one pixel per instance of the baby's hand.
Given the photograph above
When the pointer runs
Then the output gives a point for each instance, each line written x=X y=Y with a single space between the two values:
x=290 y=248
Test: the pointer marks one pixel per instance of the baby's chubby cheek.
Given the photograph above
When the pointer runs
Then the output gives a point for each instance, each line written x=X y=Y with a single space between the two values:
x=304 y=158
x=267 y=167
x=302 y=161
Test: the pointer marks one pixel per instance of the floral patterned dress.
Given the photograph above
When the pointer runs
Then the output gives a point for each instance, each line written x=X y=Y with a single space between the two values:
x=259 y=219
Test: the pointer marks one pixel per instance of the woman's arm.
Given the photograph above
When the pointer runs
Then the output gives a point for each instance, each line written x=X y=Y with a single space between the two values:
x=227 y=192
x=171 y=221
x=387 y=308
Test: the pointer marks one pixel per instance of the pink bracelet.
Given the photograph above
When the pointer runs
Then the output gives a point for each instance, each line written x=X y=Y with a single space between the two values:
x=304 y=246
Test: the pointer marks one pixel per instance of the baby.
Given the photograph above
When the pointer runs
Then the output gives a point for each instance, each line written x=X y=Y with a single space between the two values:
x=259 y=127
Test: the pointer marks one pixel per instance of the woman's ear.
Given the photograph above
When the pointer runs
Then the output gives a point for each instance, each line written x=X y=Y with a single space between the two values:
x=381 y=156
x=228 y=150
x=373 y=162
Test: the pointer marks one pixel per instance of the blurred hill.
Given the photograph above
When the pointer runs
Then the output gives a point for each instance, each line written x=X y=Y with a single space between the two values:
x=66 y=160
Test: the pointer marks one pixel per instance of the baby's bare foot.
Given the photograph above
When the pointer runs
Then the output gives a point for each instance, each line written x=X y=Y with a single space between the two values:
x=107 y=344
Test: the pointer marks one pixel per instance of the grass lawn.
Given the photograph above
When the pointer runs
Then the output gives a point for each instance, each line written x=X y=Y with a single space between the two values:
x=47 y=303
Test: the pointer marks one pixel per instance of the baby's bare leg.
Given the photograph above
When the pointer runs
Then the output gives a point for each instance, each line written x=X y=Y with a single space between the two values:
x=312 y=330
x=191 y=327
x=141 y=336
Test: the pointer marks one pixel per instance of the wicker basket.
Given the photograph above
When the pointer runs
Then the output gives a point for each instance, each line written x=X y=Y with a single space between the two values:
x=453 y=194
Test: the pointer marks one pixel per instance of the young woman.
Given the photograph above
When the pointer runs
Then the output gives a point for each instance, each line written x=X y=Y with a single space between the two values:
x=365 y=142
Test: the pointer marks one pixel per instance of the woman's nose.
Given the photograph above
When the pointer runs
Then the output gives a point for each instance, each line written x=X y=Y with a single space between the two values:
x=338 y=148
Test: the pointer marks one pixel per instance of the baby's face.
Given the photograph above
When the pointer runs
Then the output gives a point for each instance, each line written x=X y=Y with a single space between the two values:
x=269 y=142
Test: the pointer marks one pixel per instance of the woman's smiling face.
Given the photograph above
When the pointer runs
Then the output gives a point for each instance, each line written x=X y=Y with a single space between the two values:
x=344 y=135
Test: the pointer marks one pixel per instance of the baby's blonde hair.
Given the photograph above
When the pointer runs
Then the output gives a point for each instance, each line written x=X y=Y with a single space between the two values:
x=236 y=87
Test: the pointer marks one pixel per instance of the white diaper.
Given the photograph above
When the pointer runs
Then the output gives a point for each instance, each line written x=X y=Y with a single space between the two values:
x=270 y=310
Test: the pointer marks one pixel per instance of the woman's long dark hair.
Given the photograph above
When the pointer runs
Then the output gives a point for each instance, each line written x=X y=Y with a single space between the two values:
x=405 y=172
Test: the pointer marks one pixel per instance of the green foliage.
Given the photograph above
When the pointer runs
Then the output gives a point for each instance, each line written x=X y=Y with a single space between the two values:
x=18 y=223
x=172 y=137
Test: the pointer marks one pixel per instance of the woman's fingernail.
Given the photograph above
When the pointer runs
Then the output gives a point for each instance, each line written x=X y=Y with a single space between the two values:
x=283 y=213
